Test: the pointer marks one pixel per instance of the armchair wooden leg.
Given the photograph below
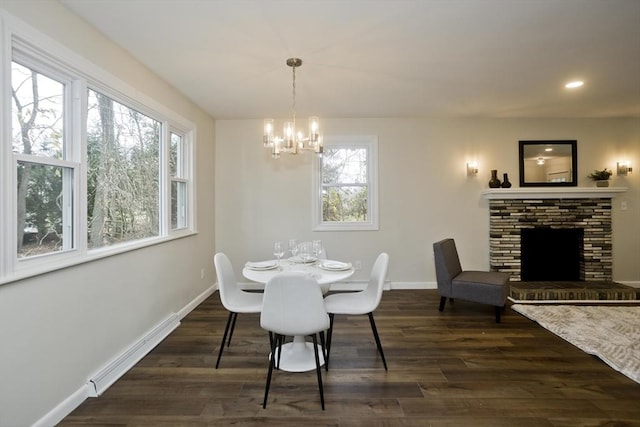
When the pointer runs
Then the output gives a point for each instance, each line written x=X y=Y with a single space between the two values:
x=443 y=300
x=498 y=310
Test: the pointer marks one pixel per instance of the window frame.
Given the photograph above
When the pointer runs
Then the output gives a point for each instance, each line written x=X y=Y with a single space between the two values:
x=368 y=142
x=32 y=49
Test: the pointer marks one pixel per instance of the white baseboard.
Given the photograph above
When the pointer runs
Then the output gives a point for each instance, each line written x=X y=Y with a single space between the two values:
x=197 y=301
x=110 y=373
x=355 y=285
x=629 y=283
x=58 y=413
x=106 y=376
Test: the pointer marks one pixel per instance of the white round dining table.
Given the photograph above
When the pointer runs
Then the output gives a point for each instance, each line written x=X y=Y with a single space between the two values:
x=298 y=355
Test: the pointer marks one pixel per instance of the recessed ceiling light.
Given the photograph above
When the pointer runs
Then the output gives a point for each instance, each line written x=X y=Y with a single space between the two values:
x=574 y=84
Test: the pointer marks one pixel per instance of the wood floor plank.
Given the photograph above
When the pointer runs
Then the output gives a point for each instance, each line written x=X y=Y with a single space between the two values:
x=451 y=368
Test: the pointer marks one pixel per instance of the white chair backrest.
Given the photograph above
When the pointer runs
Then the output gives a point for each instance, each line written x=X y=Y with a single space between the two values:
x=230 y=293
x=293 y=305
x=373 y=293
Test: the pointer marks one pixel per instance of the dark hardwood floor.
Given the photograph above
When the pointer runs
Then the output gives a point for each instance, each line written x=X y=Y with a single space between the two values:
x=456 y=368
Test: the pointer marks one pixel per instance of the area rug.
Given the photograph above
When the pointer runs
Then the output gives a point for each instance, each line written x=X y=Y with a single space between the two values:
x=572 y=292
x=611 y=333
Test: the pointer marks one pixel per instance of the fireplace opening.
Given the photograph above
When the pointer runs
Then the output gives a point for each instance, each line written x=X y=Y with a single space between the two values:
x=551 y=254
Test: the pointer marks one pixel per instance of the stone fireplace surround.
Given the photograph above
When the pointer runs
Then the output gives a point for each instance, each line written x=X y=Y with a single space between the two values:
x=588 y=208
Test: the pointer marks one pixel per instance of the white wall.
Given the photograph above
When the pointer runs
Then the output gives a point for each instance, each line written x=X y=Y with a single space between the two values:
x=425 y=194
x=58 y=329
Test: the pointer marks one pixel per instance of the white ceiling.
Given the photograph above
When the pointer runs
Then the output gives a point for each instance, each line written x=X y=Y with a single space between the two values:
x=386 y=58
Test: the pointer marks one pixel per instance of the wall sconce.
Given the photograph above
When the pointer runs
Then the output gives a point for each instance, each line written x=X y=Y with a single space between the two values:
x=472 y=169
x=624 y=168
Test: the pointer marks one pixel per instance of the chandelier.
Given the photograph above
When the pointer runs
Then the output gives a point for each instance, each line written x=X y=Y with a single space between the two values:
x=292 y=140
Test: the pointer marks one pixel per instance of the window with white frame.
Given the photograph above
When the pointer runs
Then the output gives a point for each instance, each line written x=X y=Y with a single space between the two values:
x=93 y=170
x=345 y=180
x=178 y=168
x=44 y=170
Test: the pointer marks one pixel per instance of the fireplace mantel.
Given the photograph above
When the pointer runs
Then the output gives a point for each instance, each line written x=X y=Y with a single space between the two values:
x=553 y=193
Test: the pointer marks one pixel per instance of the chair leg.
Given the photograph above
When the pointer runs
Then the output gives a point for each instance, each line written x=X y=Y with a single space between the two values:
x=323 y=345
x=315 y=352
x=329 y=336
x=224 y=337
x=233 y=327
x=279 y=345
x=375 y=335
x=443 y=300
x=271 y=363
x=498 y=310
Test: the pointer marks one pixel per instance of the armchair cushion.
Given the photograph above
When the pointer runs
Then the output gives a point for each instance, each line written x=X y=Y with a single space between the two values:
x=487 y=287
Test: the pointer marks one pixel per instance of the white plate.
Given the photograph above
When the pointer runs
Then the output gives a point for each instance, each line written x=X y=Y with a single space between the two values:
x=335 y=265
x=261 y=265
x=299 y=260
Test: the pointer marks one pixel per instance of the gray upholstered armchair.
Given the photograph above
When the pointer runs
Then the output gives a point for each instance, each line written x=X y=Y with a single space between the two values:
x=478 y=286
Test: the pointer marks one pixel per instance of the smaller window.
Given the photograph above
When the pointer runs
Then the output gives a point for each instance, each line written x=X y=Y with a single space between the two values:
x=178 y=176
x=346 y=182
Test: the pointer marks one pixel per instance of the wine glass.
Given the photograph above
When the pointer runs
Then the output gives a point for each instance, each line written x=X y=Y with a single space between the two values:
x=305 y=251
x=317 y=248
x=293 y=247
x=278 y=251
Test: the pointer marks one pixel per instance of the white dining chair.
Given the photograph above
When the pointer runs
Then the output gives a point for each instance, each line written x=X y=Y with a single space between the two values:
x=234 y=299
x=293 y=305
x=361 y=302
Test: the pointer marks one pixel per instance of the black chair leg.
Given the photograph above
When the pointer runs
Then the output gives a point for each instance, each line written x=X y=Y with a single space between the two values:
x=271 y=363
x=233 y=327
x=279 y=345
x=498 y=310
x=375 y=335
x=443 y=300
x=323 y=344
x=315 y=352
x=224 y=338
x=329 y=336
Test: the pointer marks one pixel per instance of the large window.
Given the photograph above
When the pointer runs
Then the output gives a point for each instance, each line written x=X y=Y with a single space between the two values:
x=87 y=169
x=123 y=159
x=346 y=183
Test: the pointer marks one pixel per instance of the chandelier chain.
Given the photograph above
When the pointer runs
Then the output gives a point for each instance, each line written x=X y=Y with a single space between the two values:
x=293 y=103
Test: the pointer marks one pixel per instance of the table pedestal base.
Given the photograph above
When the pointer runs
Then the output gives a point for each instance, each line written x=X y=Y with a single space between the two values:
x=298 y=356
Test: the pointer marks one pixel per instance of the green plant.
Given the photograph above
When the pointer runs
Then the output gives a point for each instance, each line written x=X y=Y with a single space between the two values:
x=597 y=175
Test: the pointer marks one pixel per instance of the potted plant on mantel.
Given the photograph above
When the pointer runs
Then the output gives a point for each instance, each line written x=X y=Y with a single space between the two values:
x=601 y=177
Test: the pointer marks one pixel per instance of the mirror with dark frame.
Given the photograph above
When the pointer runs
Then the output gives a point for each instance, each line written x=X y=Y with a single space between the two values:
x=548 y=163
